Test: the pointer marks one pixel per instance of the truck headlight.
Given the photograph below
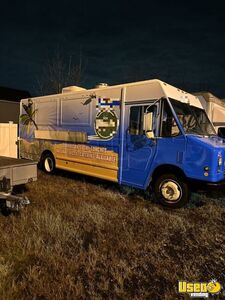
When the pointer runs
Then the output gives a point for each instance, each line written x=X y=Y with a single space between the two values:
x=220 y=160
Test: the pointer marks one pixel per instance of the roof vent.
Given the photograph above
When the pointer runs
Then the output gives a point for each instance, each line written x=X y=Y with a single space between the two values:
x=72 y=88
x=101 y=85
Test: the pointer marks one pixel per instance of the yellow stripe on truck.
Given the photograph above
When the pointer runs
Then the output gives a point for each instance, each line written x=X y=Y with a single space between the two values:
x=100 y=170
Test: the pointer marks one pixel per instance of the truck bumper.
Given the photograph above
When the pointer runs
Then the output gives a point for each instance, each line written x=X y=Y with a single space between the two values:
x=216 y=184
x=206 y=185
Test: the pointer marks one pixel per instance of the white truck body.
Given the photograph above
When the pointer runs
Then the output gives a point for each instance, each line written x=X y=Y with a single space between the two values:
x=214 y=107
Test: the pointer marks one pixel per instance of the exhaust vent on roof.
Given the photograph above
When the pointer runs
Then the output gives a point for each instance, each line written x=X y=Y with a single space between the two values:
x=101 y=85
x=72 y=88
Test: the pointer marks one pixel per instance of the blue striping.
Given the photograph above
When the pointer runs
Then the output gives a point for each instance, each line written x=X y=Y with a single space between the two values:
x=108 y=102
x=116 y=103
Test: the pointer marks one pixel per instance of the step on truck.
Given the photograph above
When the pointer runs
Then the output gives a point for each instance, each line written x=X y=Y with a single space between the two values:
x=142 y=134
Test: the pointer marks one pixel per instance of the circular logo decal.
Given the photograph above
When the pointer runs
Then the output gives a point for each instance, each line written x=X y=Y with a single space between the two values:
x=106 y=124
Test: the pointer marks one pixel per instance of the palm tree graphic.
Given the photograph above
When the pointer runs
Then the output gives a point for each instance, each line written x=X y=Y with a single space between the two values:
x=27 y=119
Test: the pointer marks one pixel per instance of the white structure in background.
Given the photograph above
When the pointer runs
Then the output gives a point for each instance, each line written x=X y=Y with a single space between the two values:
x=8 y=139
x=215 y=109
x=9 y=111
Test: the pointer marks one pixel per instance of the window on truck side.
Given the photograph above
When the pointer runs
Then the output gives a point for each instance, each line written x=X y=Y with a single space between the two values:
x=137 y=119
x=169 y=126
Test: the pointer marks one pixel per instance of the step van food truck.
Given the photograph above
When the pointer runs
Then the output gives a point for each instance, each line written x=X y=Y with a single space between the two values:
x=140 y=134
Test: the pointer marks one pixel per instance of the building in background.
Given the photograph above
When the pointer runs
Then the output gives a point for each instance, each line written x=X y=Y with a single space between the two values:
x=10 y=104
x=215 y=109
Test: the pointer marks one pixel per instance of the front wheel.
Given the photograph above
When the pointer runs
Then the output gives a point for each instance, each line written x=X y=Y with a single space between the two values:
x=171 y=191
x=48 y=163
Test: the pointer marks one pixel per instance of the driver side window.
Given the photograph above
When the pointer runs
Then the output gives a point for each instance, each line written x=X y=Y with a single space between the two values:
x=169 y=126
x=136 y=121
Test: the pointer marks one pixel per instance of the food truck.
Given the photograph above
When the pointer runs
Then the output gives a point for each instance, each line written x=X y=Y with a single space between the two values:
x=141 y=134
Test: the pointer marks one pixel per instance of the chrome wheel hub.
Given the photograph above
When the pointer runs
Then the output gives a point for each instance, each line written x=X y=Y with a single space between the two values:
x=48 y=164
x=171 y=190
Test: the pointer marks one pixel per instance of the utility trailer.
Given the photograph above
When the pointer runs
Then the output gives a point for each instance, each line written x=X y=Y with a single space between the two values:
x=14 y=172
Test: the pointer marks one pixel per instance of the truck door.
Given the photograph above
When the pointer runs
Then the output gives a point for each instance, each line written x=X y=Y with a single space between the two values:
x=138 y=150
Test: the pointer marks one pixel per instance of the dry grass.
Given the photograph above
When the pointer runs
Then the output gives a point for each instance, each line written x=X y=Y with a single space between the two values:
x=87 y=239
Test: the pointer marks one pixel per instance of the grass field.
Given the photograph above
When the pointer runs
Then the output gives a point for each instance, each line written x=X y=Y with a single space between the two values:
x=83 y=238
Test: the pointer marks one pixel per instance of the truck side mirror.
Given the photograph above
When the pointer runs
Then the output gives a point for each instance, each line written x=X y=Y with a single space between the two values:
x=221 y=132
x=148 y=125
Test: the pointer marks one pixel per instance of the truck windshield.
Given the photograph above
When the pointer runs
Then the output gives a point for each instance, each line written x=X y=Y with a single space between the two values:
x=193 y=119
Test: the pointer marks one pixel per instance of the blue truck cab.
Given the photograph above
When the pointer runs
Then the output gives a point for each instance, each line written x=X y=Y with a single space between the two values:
x=139 y=134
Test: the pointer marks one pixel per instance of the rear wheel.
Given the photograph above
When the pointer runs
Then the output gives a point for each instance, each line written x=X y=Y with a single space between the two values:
x=171 y=191
x=48 y=163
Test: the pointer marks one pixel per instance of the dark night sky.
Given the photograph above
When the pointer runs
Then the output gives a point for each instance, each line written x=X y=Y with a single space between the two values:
x=177 y=41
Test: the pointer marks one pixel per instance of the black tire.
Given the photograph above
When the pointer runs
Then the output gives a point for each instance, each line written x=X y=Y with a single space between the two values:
x=48 y=163
x=171 y=191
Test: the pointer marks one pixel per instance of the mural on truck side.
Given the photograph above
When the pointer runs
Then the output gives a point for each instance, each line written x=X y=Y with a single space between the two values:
x=71 y=144
x=27 y=118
